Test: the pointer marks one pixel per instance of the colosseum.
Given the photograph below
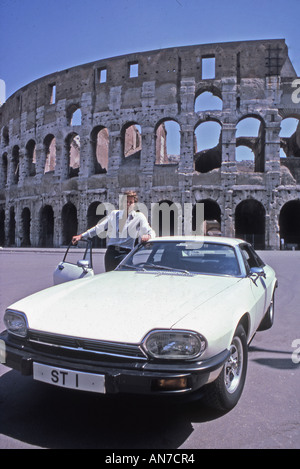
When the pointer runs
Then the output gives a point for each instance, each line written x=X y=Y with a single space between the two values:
x=82 y=136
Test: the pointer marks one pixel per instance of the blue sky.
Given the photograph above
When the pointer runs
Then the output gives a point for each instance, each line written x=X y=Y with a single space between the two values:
x=39 y=37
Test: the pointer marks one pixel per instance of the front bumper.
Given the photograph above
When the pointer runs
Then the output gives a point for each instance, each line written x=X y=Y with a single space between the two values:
x=121 y=376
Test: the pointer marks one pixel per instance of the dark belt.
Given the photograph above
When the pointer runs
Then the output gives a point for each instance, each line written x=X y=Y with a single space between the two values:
x=119 y=248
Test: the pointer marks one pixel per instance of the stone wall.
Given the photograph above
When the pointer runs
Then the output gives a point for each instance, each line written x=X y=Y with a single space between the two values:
x=82 y=136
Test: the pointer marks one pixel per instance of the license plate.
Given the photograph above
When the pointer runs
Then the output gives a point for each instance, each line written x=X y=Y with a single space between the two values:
x=69 y=378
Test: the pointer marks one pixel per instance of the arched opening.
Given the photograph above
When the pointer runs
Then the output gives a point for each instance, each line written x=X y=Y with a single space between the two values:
x=245 y=153
x=15 y=165
x=4 y=167
x=25 y=222
x=69 y=222
x=167 y=142
x=166 y=218
x=250 y=134
x=100 y=148
x=212 y=217
x=92 y=220
x=2 y=227
x=250 y=218
x=74 y=115
x=5 y=135
x=73 y=154
x=50 y=153
x=207 y=146
x=46 y=227
x=289 y=137
x=131 y=141
x=30 y=158
x=12 y=227
x=208 y=101
x=289 y=224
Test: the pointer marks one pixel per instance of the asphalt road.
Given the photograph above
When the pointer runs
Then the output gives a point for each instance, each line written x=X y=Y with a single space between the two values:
x=34 y=415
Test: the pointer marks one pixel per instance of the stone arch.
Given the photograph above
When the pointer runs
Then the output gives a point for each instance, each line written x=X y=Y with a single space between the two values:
x=131 y=141
x=15 y=173
x=72 y=149
x=12 y=227
x=100 y=149
x=212 y=210
x=69 y=222
x=208 y=153
x=244 y=154
x=208 y=100
x=166 y=218
x=210 y=88
x=92 y=220
x=2 y=227
x=30 y=158
x=250 y=222
x=250 y=132
x=46 y=226
x=5 y=135
x=74 y=114
x=49 y=162
x=4 y=170
x=25 y=227
x=289 y=224
x=212 y=216
x=290 y=136
x=167 y=141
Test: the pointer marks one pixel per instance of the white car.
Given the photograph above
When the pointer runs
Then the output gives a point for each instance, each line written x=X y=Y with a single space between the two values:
x=174 y=319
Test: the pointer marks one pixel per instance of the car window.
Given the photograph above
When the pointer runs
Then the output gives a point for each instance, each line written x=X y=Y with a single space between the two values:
x=208 y=258
x=82 y=250
x=251 y=258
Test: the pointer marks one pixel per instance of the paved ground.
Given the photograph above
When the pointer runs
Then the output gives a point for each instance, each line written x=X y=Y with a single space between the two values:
x=33 y=415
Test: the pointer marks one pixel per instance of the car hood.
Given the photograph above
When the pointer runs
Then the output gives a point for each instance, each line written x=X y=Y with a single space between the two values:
x=121 y=306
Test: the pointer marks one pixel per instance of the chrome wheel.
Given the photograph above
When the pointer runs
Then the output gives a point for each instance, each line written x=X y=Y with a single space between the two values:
x=271 y=311
x=234 y=365
x=225 y=391
x=268 y=319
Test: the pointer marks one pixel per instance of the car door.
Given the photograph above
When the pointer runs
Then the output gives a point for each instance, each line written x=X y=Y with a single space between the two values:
x=258 y=283
x=76 y=264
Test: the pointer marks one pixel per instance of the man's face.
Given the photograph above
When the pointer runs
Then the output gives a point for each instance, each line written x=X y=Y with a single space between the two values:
x=130 y=203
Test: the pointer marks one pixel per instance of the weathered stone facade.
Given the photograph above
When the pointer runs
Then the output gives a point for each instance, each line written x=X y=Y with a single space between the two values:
x=64 y=143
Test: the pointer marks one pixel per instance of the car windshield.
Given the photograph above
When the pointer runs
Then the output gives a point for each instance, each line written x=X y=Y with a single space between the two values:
x=186 y=257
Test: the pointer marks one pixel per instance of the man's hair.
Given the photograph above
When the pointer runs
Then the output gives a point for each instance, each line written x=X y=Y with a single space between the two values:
x=132 y=194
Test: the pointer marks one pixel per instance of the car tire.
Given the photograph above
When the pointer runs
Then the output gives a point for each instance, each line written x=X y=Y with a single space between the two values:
x=224 y=393
x=268 y=319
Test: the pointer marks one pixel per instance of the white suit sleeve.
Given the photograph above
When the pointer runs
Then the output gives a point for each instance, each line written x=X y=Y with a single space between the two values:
x=97 y=229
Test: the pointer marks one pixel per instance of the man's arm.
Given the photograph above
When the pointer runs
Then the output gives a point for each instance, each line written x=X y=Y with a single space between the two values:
x=145 y=231
x=96 y=230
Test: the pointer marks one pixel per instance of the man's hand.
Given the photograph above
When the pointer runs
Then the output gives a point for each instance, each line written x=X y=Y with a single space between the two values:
x=145 y=238
x=76 y=238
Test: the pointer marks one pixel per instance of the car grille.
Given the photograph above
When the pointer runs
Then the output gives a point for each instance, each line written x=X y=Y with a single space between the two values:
x=120 y=350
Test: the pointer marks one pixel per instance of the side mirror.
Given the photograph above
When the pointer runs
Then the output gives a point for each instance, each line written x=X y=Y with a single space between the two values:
x=257 y=272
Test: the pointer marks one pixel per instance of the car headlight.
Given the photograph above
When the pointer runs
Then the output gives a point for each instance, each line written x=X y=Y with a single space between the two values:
x=15 y=322
x=174 y=345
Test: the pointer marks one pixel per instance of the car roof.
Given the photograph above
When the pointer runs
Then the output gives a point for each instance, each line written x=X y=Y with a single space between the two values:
x=201 y=239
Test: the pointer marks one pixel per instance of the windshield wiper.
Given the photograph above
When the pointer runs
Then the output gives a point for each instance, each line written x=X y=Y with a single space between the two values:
x=165 y=267
x=134 y=267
